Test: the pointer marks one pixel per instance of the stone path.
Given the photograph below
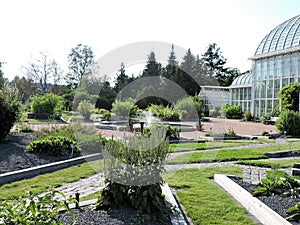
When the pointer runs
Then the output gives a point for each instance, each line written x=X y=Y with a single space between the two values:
x=95 y=183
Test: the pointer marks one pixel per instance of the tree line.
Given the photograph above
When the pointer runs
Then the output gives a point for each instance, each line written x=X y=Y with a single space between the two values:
x=43 y=75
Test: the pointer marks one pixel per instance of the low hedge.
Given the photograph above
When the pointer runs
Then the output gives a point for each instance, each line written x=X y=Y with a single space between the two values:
x=52 y=145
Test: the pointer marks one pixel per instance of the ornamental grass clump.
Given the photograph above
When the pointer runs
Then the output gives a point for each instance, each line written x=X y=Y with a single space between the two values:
x=133 y=168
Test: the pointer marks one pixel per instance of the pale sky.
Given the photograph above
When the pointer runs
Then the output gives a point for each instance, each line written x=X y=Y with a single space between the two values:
x=55 y=26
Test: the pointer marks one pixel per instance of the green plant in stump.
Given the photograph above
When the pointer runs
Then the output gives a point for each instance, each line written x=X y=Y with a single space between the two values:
x=133 y=169
x=34 y=210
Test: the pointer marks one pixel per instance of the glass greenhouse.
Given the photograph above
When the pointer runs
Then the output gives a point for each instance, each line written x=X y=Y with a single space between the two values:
x=276 y=63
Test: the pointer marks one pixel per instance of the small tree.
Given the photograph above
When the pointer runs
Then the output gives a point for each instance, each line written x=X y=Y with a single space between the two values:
x=85 y=108
x=289 y=97
x=289 y=122
x=189 y=108
x=124 y=109
x=50 y=104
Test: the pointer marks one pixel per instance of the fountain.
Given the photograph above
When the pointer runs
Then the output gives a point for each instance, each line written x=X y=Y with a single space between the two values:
x=149 y=117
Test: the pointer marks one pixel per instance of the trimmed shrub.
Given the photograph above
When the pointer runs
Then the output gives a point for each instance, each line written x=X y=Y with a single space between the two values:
x=231 y=111
x=50 y=104
x=52 y=145
x=289 y=122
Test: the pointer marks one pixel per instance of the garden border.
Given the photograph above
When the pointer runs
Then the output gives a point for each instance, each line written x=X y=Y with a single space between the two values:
x=17 y=175
x=259 y=210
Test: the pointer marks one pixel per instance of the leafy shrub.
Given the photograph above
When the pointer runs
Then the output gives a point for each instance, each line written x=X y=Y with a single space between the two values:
x=248 y=116
x=288 y=121
x=189 y=108
x=125 y=109
x=171 y=132
x=10 y=109
x=133 y=172
x=271 y=186
x=230 y=133
x=52 y=145
x=293 y=213
x=164 y=113
x=85 y=108
x=231 y=111
x=34 y=210
x=289 y=97
x=9 y=114
x=78 y=97
x=105 y=114
x=50 y=104
x=147 y=200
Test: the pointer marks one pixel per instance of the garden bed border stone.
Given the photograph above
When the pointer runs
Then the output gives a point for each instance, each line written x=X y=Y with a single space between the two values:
x=254 y=206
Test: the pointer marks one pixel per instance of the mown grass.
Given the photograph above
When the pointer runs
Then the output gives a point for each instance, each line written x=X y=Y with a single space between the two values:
x=283 y=163
x=181 y=147
x=40 y=184
x=228 y=155
x=204 y=202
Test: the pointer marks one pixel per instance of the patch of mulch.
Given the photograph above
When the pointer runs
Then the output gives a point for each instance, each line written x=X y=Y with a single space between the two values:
x=89 y=216
x=277 y=203
x=13 y=157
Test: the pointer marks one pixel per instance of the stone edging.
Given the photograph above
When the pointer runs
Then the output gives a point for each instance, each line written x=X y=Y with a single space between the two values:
x=259 y=210
x=46 y=168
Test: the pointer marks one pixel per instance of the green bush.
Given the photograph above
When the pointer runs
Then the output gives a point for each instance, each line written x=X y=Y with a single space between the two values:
x=35 y=210
x=52 y=145
x=85 y=108
x=80 y=96
x=165 y=113
x=248 y=116
x=105 y=114
x=231 y=111
x=189 y=108
x=171 y=132
x=84 y=136
x=289 y=122
x=125 y=109
x=50 y=104
x=9 y=114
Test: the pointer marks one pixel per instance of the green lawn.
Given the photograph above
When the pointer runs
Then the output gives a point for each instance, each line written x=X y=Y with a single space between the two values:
x=181 y=147
x=204 y=202
x=270 y=163
x=40 y=184
x=228 y=155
